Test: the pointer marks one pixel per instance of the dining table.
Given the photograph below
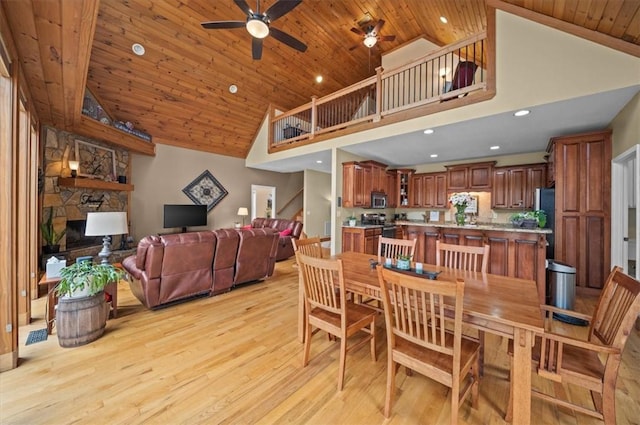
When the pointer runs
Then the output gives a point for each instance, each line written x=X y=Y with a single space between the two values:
x=501 y=305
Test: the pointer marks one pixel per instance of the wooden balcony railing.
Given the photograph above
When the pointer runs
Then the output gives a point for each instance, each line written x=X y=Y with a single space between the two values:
x=448 y=73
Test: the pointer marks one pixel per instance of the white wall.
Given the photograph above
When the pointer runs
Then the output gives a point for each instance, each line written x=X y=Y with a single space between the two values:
x=317 y=202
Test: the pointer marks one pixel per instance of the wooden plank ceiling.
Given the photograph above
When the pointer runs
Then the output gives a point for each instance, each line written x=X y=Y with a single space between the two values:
x=179 y=90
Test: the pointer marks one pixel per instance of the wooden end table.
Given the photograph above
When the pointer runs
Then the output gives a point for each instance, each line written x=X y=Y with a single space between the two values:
x=52 y=298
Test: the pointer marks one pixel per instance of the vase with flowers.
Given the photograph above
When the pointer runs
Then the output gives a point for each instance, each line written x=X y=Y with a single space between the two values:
x=460 y=201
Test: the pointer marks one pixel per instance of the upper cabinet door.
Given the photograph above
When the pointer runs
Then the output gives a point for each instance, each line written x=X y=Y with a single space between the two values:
x=470 y=177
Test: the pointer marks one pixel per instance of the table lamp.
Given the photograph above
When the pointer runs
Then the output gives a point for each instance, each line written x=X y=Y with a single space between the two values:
x=243 y=212
x=106 y=224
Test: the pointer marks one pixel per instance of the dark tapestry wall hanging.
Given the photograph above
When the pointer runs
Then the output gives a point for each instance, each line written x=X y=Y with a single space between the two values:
x=205 y=190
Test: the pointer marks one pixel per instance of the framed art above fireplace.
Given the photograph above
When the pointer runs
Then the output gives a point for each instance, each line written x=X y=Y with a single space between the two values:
x=96 y=162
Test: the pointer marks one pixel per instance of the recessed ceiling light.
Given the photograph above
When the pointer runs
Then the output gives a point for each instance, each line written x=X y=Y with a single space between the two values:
x=443 y=20
x=319 y=79
x=493 y=148
x=138 y=49
x=233 y=89
x=428 y=131
x=434 y=155
x=522 y=113
x=319 y=161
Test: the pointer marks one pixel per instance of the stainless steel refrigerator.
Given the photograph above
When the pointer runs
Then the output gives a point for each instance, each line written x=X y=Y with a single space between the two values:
x=546 y=200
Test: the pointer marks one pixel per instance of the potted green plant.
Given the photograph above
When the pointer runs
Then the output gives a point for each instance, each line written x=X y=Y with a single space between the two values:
x=529 y=219
x=403 y=262
x=84 y=279
x=82 y=309
x=50 y=236
x=352 y=220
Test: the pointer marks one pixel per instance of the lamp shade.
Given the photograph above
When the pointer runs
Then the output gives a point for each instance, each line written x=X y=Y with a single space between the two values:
x=243 y=211
x=106 y=223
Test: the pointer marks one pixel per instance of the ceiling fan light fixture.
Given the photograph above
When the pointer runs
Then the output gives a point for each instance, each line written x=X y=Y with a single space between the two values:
x=370 y=41
x=257 y=28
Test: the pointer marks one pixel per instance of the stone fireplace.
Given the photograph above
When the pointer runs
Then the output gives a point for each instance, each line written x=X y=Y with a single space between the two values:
x=75 y=237
x=70 y=205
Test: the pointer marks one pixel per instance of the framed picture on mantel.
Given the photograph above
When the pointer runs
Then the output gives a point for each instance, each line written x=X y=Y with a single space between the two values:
x=96 y=162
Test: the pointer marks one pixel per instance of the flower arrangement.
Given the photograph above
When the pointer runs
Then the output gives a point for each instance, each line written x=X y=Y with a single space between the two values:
x=460 y=200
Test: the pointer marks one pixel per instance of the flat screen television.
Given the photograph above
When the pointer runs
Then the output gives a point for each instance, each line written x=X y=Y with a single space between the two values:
x=184 y=216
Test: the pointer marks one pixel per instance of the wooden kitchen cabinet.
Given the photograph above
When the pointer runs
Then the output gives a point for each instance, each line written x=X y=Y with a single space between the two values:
x=360 y=239
x=356 y=185
x=391 y=189
x=359 y=179
x=403 y=177
x=435 y=190
x=514 y=187
x=470 y=177
x=415 y=193
x=378 y=175
x=582 y=175
x=428 y=191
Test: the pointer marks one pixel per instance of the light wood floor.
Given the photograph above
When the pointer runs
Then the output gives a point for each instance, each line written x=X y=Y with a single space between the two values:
x=235 y=359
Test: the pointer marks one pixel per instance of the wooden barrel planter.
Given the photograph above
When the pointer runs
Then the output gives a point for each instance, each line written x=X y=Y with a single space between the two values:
x=80 y=321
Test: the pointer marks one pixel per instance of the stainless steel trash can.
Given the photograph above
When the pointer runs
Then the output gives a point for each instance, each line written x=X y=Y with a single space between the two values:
x=561 y=284
x=561 y=281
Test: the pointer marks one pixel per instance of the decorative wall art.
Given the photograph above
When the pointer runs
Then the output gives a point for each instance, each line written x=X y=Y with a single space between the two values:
x=96 y=162
x=205 y=190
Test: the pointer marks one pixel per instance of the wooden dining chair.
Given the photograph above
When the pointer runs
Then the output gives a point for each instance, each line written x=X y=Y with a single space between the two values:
x=472 y=258
x=417 y=338
x=330 y=311
x=463 y=257
x=392 y=248
x=313 y=248
x=308 y=246
x=592 y=364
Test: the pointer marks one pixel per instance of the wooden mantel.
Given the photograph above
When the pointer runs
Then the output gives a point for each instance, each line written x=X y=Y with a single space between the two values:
x=94 y=184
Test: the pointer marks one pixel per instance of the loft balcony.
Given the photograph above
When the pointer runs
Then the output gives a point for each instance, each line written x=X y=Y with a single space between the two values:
x=458 y=74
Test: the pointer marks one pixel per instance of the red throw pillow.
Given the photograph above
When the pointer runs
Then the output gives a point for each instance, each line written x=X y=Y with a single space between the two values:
x=285 y=232
x=247 y=227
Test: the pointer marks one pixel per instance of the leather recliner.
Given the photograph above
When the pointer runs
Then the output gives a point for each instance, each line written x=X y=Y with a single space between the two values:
x=285 y=246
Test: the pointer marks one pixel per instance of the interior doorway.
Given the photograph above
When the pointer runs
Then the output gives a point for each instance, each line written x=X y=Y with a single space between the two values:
x=263 y=201
x=625 y=221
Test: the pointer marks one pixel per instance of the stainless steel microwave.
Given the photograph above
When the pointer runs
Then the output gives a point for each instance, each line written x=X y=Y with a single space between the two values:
x=378 y=200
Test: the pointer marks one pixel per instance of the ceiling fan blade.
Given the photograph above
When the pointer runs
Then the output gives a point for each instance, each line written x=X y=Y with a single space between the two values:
x=288 y=39
x=387 y=37
x=256 y=48
x=357 y=31
x=355 y=46
x=213 y=25
x=242 y=4
x=280 y=8
x=378 y=27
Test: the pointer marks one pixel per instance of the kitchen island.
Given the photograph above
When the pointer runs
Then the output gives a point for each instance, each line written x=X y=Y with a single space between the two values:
x=515 y=252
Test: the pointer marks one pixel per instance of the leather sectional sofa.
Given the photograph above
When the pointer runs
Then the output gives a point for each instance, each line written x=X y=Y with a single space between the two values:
x=288 y=229
x=171 y=268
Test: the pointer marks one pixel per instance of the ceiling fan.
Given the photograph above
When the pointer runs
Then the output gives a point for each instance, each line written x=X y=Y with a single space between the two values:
x=258 y=24
x=370 y=33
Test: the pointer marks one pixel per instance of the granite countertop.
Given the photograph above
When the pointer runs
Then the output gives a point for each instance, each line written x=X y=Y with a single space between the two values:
x=501 y=227
x=365 y=226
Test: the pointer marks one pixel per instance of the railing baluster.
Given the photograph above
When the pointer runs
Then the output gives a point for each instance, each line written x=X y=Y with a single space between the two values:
x=408 y=86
